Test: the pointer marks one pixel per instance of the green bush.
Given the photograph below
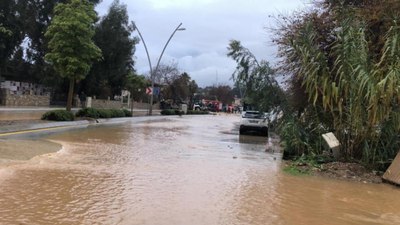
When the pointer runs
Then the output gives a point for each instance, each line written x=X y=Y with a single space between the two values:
x=58 y=115
x=103 y=113
x=196 y=112
x=127 y=113
x=117 y=113
x=169 y=112
x=88 y=112
x=301 y=138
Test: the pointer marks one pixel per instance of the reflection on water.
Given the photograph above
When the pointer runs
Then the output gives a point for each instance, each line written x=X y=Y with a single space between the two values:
x=188 y=170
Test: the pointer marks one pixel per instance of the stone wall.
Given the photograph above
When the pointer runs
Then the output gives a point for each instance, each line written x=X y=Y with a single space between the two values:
x=140 y=105
x=113 y=104
x=143 y=105
x=106 y=104
x=8 y=99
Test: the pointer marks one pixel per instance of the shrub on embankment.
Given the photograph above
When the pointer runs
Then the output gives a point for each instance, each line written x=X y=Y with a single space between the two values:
x=169 y=112
x=64 y=115
x=103 y=113
x=58 y=115
x=197 y=112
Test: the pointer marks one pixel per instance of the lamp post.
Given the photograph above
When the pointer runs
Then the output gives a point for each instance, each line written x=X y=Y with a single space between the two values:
x=152 y=73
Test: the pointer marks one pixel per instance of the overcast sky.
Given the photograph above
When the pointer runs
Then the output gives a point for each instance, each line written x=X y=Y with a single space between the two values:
x=201 y=49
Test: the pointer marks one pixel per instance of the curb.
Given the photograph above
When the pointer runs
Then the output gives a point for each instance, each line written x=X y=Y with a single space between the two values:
x=46 y=128
x=41 y=128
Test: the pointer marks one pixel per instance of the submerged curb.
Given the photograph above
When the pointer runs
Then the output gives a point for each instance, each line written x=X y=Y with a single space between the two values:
x=51 y=127
x=36 y=128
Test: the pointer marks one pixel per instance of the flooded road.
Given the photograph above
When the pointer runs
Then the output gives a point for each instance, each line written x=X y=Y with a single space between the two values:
x=21 y=114
x=179 y=170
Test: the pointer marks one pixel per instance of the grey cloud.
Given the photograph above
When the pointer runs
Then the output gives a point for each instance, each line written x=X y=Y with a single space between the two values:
x=201 y=49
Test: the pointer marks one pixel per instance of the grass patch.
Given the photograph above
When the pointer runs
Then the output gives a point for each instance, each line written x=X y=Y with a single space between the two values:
x=294 y=170
x=304 y=165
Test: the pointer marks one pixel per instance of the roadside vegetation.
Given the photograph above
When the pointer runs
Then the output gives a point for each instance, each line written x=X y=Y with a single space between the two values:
x=64 y=115
x=197 y=112
x=103 y=113
x=341 y=62
x=71 y=50
x=169 y=112
x=59 y=115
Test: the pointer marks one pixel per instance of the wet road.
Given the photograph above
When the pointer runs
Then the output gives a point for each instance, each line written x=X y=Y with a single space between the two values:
x=179 y=170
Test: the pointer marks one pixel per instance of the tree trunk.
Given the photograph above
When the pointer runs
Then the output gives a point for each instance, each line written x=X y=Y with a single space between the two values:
x=70 y=93
x=132 y=106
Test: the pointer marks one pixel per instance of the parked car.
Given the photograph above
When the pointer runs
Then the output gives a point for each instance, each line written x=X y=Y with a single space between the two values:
x=198 y=107
x=254 y=121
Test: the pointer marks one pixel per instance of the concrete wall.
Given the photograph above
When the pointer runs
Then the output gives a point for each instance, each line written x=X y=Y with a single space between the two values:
x=9 y=99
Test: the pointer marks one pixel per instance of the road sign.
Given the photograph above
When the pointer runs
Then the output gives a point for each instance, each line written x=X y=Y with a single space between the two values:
x=156 y=91
x=149 y=91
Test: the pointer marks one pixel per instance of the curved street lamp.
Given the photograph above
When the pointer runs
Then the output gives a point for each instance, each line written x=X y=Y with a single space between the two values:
x=152 y=73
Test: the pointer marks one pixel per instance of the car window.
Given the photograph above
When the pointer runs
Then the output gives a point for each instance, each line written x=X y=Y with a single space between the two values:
x=253 y=115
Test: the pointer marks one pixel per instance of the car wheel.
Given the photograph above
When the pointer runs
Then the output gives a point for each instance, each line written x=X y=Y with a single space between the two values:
x=241 y=131
x=266 y=132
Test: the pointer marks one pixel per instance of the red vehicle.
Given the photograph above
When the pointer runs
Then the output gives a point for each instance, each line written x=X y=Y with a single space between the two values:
x=212 y=105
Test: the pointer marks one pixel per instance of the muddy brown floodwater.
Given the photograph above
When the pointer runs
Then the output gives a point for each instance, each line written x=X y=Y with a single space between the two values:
x=179 y=170
x=21 y=114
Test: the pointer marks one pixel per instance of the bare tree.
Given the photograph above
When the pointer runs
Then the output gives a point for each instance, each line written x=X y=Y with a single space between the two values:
x=166 y=73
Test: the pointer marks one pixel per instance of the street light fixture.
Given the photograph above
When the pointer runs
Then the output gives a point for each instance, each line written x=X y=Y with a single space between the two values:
x=152 y=73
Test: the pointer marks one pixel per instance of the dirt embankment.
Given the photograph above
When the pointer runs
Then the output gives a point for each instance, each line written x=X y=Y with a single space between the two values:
x=342 y=171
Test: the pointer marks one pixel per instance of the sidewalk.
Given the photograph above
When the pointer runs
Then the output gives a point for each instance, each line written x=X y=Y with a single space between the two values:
x=35 y=113
x=25 y=113
x=23 y=127
x=16 y=121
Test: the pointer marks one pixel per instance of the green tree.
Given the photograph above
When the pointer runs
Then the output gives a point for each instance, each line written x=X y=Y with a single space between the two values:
x=113 y=36
x=11 y=34
x=180 y=89
x=223 y=93
x=256 y=79
x=71 y=49
x=5 y=32
x=35 y=17
x=136 y=85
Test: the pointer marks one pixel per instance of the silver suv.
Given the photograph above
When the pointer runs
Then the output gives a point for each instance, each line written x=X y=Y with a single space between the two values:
x=254 y=121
